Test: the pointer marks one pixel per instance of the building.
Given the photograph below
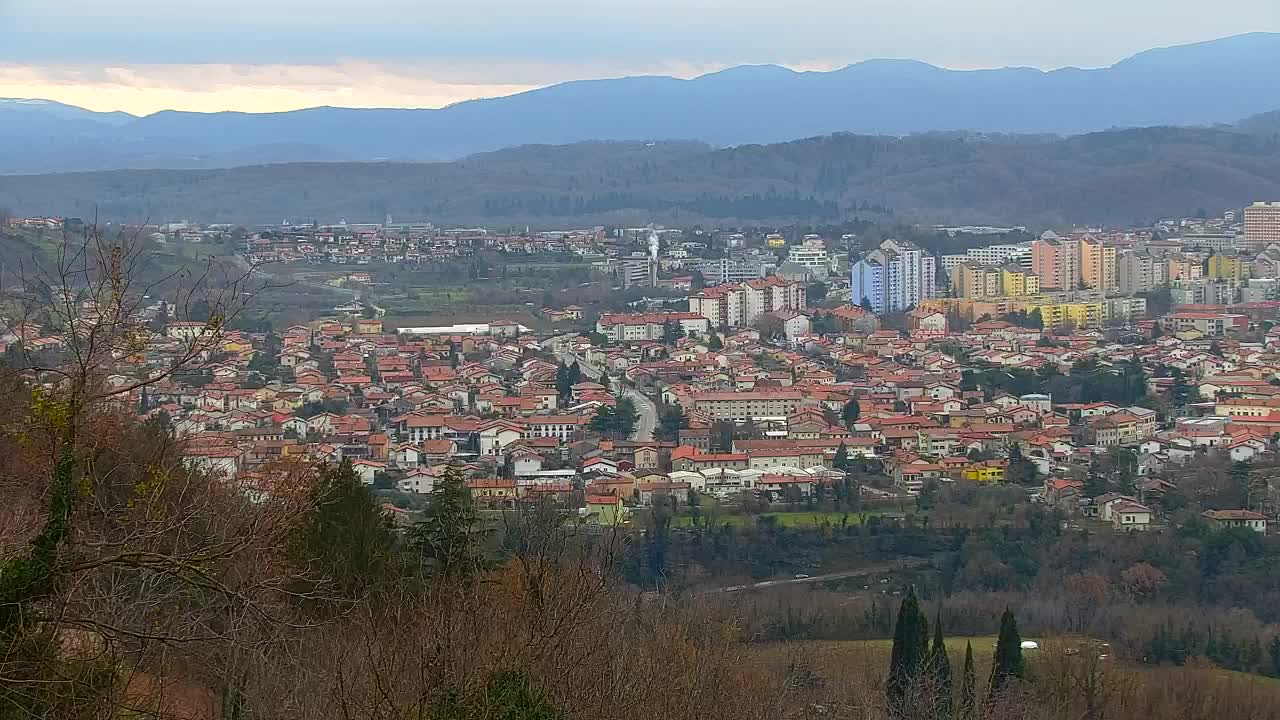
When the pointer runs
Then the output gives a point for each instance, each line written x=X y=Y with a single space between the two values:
x=730 y=270
x=1069 y=263
x=637 y=273
x=866 y=284
x=1140 y=272
x=1204 y=292
x=1015 y=255
x=1097 y=265
x=1016 y=280
x=927 y=323
x=970 y=280
x=741 y=406
x=740 y=305
x=1079 y=315
x=1204 y=323
x=894 y=277
x=1228 y=267
x=1130 y=516
x=1212 y=242
x=1056 y=261
x=649 y=326
x=1261 y=225
x=1222 y=519
x=812 y=255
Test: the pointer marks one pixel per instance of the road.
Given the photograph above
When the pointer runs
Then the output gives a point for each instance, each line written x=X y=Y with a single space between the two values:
x=648 y=413
x=645 y=408
x=848 y=574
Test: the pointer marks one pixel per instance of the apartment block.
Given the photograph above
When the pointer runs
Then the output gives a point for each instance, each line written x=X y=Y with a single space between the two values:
x=1056 y=261
x=1228 y=267
x=740 y=305
x=1079 y=315
x=1261 y=225
x=649 y=326
x=742 y=406
x=895 y=276
x=1204 y=292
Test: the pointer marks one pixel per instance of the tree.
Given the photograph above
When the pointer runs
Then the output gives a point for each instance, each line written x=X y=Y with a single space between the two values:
x=714 y=342
x=769 y=326
x=1180 y=392
x=447 y=538
x=671 y=332
x=841 y=460
x=940 y=670
x=564 y=385
x=1020 y=470
x=910 y=651
x=671 y=420
x=866 y=304
x=722 y=434
x=1007 y=664
x=815 y=293
x=850 y=413
x=968 y=686
x=346 y=539
x=507 y=696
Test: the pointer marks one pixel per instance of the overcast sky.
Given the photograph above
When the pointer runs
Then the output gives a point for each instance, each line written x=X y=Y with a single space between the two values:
x=262 y=55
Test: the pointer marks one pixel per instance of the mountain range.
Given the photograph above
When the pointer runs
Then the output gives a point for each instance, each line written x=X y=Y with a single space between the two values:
x=1117 y=176
x=1206 y=83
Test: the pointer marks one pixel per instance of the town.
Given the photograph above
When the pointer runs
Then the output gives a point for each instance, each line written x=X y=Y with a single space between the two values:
x=1088 y=368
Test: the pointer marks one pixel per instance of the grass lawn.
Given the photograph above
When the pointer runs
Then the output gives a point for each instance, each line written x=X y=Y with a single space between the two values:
x=812 y=518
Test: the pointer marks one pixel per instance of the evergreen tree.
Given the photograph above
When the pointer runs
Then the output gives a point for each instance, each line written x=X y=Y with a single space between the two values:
x=1180 y=392
x=910 y=651
x=564 y=386
x=850 y=413
x=940 y=670
x=507 y=696
x=1007 y=663
x=1273 y=652
x=968 y=686
x=346 y=540
x=1020 y=470
x=841 y=460
x=448 y=536
x=715 y=343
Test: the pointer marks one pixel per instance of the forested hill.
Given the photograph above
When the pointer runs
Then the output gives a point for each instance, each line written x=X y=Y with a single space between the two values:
x=1118 y=176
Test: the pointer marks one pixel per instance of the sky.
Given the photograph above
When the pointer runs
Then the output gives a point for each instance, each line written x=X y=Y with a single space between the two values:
x=142 y=56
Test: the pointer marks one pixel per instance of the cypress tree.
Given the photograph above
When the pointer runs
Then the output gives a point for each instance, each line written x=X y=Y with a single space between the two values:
x=841 y=460
x=910 y=651
x=1007 y=662
x=968 y=686
x=940 y=669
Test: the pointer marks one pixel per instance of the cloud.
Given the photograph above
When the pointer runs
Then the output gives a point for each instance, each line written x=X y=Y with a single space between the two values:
x=142 y=55
x=142 y=89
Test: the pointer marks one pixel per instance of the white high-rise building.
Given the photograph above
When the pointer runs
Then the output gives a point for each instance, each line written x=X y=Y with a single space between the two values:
x=895 y=276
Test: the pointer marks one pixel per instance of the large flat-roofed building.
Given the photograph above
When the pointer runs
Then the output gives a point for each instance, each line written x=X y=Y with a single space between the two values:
x=1261 y=225
x=741 y=406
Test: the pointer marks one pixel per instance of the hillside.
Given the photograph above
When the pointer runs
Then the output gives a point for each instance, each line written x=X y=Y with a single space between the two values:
x=1225 y=80
x=1111 y=177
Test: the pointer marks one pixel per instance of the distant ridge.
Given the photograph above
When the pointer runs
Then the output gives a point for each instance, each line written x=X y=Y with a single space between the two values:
x=1202 y=84
x=1113 y=177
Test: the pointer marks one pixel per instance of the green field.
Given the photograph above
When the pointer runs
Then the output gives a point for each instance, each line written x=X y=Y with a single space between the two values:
x=813 y=518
